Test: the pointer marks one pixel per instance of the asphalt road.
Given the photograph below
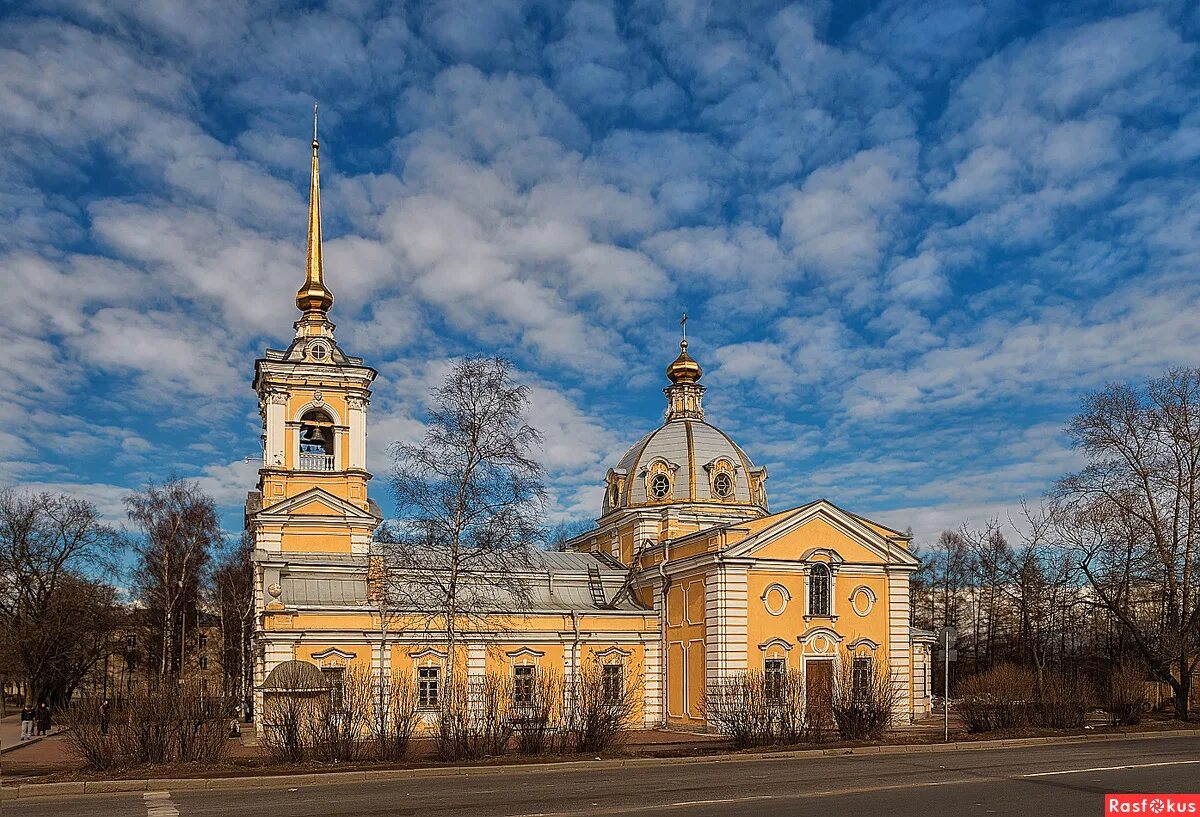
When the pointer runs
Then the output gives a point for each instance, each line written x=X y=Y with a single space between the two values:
x=1040 y=781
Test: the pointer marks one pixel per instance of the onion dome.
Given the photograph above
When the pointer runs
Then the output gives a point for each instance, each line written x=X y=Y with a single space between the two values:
x=684 y=369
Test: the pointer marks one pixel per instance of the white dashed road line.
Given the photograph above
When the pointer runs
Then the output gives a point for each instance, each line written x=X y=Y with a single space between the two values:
x=158 y=804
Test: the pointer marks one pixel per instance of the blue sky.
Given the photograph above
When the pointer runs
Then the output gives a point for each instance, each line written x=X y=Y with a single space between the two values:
x=910 y=236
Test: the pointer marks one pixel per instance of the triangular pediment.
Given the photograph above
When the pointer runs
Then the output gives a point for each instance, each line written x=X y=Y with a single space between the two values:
x=820 y=527
x=316 y=503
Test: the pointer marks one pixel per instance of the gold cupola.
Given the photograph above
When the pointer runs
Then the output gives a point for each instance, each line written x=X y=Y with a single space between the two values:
x=314 y=296
x=684 y=369
x=685 y=393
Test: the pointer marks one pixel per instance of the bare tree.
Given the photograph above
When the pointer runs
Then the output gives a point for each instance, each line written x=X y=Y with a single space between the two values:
x=1132 y=515
x=55 y=621
x=470 y=502
x=233 y=592
x=179 y=533
x=1035 y=579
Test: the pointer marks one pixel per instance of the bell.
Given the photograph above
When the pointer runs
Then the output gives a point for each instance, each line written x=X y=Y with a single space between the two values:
x=317 y=437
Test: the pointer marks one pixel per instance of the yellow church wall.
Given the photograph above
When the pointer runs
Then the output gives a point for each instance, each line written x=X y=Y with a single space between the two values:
x=764 y=627
x=297 y=542
x=816 y=533
x=685 y=648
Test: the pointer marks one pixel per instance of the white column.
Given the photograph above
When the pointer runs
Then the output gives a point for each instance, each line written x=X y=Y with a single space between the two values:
x=273 y=451
x=356 y=421
x=899 y=644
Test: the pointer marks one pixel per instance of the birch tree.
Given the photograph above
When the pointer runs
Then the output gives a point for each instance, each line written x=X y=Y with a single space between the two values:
x=470 y=503
x=179 y=532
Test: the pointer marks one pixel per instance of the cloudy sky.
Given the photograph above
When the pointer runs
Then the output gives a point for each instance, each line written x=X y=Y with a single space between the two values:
x=910 y=235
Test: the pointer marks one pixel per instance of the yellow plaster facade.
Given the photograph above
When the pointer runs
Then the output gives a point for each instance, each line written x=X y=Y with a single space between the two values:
x=686 y=579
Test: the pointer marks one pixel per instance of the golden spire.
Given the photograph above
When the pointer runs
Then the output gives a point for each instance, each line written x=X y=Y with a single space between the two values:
x=314 y=296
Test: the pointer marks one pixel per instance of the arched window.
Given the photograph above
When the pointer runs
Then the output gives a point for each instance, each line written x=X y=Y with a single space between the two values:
x=819 y=580
x=316 y=441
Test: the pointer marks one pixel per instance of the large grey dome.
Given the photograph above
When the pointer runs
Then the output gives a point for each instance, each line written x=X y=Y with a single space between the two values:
x=685 y=460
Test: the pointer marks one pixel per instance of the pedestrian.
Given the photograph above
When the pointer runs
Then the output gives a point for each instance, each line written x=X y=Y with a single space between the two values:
x=26 y=722
x=104 y=717
x=43 y=719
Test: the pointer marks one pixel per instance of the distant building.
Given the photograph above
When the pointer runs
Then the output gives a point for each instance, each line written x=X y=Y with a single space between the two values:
x=687 y=578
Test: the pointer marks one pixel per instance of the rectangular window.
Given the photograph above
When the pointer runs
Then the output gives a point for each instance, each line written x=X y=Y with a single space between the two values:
x=773 y=672
x=861 y=677
x=204 y=662
x=335 y=679
x=614 y=683
x=130 y=642
x=523 y=685
x=427 y=686
x=203 y=642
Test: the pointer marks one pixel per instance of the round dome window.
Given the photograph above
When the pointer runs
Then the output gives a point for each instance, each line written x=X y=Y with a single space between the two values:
x=723 y=485
x=660 y=486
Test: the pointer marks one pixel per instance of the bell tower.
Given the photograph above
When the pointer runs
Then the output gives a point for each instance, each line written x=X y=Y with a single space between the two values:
x=313 y=398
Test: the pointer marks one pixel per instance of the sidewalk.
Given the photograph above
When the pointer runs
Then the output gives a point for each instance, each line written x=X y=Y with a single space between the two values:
x=10 y=734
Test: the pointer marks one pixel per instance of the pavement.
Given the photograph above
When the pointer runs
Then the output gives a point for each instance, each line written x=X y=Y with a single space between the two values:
x=1066 y=779
x=10 y=734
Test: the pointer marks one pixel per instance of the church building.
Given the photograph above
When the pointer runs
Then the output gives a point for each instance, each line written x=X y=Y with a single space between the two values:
x=687 y=578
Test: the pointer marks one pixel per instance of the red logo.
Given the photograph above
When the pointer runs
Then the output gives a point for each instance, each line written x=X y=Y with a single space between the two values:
x=1153 y=805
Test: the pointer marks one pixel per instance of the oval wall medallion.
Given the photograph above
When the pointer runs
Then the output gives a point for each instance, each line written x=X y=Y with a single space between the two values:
x=862 y=600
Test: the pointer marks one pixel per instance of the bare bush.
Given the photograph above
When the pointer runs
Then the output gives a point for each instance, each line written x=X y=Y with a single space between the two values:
x=168 y=723
x=342 y=719
x=533 y=720
x=88 y=739
x=474 y=718
x=395 y=715
x=597 y=714
x=286 y=725
x=757 y=709
x=1001 y=698
x=1062 y=701
x=1127 y=697
x=865 y=699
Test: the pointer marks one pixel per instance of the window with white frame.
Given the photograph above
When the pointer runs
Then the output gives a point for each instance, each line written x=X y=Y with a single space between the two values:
x=819 y=581
x=860 y=677
x=523 y=683
x=774 y=670
x=613 y=679
x=335 y=680
x=428 y=686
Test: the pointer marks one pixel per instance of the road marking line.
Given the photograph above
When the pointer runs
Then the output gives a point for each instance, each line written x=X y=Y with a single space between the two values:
x=158 y=804
x=1114 y=768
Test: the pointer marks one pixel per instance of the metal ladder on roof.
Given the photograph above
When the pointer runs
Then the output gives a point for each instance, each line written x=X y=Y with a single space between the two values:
x=596 y=586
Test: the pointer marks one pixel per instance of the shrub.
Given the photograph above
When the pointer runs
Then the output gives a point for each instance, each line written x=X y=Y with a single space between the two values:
x=396 y=717
x=285 y=728
x=597 y=717
x=1000 y=698
x=865 y=699
x=341 y=721
x=1127 y=696
x=474 y=718
x=754 y=709
x=160 y=723
x=1062 y=701
x=533 y=721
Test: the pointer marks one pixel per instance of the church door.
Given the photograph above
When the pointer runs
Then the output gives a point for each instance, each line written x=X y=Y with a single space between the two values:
x=818 y=692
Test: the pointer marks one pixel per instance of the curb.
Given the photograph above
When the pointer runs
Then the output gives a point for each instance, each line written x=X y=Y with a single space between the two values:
x=28 y=790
